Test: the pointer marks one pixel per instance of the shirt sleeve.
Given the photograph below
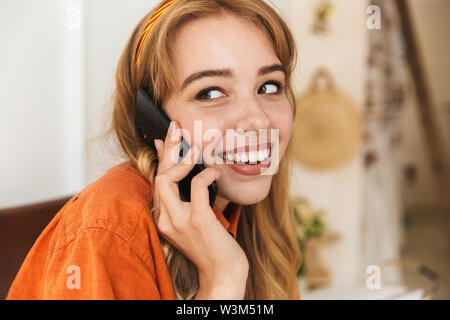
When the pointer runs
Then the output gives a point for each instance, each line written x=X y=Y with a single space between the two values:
x=98 y=264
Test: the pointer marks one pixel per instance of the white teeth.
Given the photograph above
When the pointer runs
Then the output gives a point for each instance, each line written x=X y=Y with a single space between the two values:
x=250 y=157
x=253 y=156
x=260 y=155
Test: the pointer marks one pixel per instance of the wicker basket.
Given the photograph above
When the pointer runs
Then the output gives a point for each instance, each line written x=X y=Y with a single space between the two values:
x=327 y=126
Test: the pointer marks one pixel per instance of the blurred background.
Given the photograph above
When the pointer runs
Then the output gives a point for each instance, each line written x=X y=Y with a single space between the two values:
x=370 y=179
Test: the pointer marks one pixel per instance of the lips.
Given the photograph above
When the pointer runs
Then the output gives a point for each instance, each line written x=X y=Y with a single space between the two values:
x=249 y=168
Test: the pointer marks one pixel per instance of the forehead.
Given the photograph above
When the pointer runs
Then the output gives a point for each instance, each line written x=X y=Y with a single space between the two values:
x=219 y=42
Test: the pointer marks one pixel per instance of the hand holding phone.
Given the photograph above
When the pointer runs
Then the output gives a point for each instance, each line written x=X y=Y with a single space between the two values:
x=152 y=123
x=193 y=228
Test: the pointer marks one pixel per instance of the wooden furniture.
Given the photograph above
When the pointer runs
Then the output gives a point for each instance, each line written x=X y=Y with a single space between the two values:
x=19 y=229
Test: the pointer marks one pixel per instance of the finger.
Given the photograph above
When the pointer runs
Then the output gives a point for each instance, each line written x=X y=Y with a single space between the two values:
x=165 y=226
x=171 y=146
x=167 y=207
x=168 y=191
x=161 y=219
x=177 y=172
x=181 y=170
x=174 y=211
x=199 y=188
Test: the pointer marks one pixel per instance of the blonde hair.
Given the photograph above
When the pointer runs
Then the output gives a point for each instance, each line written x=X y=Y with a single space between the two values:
x=266 y=229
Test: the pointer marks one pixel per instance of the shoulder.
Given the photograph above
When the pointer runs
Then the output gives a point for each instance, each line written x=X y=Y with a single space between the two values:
x=107 y=232
x=115 y=203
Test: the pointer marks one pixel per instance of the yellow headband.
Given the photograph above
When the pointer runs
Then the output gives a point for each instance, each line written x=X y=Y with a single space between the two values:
x=148 y=27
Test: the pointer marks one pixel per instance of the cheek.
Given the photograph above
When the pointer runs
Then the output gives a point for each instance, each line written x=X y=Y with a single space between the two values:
x=197 y=125
x=282 y=120
x=208 y=131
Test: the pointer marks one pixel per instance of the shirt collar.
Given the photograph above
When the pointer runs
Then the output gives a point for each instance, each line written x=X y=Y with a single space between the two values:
x=233 y=211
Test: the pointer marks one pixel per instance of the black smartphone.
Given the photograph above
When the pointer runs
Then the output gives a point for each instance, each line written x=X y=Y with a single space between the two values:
x=151 y=123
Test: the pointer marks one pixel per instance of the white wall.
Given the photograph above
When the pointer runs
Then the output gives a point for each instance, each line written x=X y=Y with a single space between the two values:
x=109 y=30
x=40 y=103
x=57 y=76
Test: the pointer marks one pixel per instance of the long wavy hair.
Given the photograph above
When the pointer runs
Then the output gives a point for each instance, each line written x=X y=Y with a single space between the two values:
x=266 y=229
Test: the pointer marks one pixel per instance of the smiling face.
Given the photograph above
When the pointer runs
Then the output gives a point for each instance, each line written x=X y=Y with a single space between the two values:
x=244 y=93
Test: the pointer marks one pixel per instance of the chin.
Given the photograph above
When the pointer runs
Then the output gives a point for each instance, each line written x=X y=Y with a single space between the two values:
x=246 y=196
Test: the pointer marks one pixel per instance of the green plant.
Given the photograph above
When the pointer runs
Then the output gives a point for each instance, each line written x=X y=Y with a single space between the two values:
x=310 y=224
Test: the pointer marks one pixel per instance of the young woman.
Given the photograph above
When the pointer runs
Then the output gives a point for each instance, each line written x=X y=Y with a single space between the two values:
x=225 y=64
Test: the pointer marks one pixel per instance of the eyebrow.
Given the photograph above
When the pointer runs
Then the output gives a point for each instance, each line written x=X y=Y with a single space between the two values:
x=228 y=73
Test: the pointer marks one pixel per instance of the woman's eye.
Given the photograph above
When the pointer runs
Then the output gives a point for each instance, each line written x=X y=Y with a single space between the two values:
x=272 y=87
x=208 y=94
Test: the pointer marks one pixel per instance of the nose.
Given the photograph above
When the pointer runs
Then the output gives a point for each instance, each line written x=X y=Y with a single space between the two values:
x=252 y=116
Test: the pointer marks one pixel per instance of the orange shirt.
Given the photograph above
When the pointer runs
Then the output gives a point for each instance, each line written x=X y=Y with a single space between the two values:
x=103 y=244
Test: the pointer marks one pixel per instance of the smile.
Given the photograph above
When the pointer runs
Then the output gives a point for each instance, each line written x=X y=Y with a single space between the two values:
x=248 y=155
x=248 y=161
